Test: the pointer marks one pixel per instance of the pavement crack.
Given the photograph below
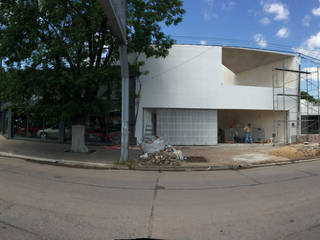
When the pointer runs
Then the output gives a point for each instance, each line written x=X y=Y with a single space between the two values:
x=294 y=234
x=156 y=188
x=20 y=229
x=309 y=173
x=251 y=178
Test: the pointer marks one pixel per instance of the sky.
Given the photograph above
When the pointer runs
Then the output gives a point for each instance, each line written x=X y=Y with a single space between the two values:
x=269 y=24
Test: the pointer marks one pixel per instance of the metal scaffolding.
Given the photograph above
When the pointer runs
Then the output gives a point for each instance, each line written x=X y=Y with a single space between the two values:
x=300 y=111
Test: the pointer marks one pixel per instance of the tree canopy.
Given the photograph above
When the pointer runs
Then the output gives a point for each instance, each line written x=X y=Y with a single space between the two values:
x=60 y=55
x=308 y=97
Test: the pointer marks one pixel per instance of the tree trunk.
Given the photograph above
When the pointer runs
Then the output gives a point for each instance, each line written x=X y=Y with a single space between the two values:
x=78 y=139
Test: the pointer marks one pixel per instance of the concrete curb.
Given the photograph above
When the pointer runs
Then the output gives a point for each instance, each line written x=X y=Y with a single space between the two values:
x=108 y=166
x=66 y=163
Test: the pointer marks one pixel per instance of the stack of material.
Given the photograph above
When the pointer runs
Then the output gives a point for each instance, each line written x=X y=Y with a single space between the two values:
x=313 y=138
x=152 y=145
x=156 y=153
x=258 y=135
x=240 y=129
x=160 y=158
x=228 y=135
x=234 y=134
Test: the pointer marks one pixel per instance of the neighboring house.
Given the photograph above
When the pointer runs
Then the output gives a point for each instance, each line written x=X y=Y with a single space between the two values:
x=198 y=89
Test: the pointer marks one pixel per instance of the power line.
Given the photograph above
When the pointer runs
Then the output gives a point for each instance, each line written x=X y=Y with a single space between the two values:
x=308 y=54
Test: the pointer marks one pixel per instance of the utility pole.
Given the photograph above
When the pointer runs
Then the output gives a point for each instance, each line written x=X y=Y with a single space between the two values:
x=2 y=117
x=124 y=104
x=116 y=12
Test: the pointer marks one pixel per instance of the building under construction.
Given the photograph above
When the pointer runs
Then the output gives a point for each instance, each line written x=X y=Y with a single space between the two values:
x=203 y=95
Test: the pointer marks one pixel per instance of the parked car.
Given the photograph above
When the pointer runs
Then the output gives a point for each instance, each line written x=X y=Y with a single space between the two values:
x=104 y=135
x=96 y=135
x=32 y=131
x=53 y=133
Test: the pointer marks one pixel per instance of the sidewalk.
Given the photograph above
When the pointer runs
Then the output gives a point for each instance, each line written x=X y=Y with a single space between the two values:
x=219 y=157
x=101 y=156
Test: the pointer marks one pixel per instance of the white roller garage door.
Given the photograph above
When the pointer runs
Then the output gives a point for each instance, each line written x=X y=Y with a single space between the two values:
x=187 y=127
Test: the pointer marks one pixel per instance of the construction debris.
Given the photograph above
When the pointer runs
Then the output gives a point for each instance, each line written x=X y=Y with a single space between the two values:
x=311 y=138
x=161 y=158
x=298 y=151
x=156 y=153
x=154 y=145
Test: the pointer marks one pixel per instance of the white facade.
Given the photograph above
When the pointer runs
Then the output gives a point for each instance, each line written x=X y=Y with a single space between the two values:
x=194 y=77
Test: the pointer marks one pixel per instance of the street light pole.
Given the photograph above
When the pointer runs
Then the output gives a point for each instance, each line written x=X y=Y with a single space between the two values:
x=125 y=88
x=124 y=104
x=116 y=12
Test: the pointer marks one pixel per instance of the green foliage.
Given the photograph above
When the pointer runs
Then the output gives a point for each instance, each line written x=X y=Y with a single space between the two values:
x=308 y=97
x=60 y=55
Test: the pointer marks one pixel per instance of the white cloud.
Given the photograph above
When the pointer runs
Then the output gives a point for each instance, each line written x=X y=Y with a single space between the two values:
x=252 y=12
x=311 y=46
x=313 y=74
x=203 y=42
x=208 y=15
x=313 y=42
x=228 y=6
x=265 y=21
x=277 y=8
x=260 y=40
x=306 y=20
x=283 y=32
x=316 y=11
x=210 y=3
x=310 y=69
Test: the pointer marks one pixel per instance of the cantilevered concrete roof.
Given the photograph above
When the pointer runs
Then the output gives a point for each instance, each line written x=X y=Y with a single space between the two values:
x=243 y=59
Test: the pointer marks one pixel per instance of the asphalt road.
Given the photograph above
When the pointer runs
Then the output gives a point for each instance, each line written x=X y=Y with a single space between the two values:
x=47 y=202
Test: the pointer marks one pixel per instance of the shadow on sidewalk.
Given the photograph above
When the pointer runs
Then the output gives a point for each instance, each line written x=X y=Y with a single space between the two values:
x=56 y=151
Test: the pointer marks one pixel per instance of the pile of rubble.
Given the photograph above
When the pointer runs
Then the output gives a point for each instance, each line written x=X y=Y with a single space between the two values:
x=160 y=158
x=156 y=153
x=298 y=151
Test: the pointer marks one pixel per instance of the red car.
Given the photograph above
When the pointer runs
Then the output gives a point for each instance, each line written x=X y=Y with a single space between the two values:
x=102 y=135
x=32 y=131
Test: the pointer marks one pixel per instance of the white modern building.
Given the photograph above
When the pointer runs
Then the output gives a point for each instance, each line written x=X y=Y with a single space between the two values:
x=198 y=89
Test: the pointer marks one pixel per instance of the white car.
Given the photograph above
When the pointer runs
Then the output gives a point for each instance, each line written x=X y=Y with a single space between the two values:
x=53 y=133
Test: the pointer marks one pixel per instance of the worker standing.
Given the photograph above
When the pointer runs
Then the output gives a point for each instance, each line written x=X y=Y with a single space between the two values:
x=247 y=136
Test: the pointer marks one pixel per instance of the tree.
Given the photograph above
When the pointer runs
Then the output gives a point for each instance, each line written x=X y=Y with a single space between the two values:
x=59 y=54
x=308 y=97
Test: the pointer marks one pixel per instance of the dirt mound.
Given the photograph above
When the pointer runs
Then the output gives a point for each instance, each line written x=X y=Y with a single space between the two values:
x=297 y=152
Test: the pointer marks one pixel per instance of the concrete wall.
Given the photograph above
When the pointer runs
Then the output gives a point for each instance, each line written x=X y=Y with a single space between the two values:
x=188 y=79
x=262 y=76
x=309 y=108
x=191 y=77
